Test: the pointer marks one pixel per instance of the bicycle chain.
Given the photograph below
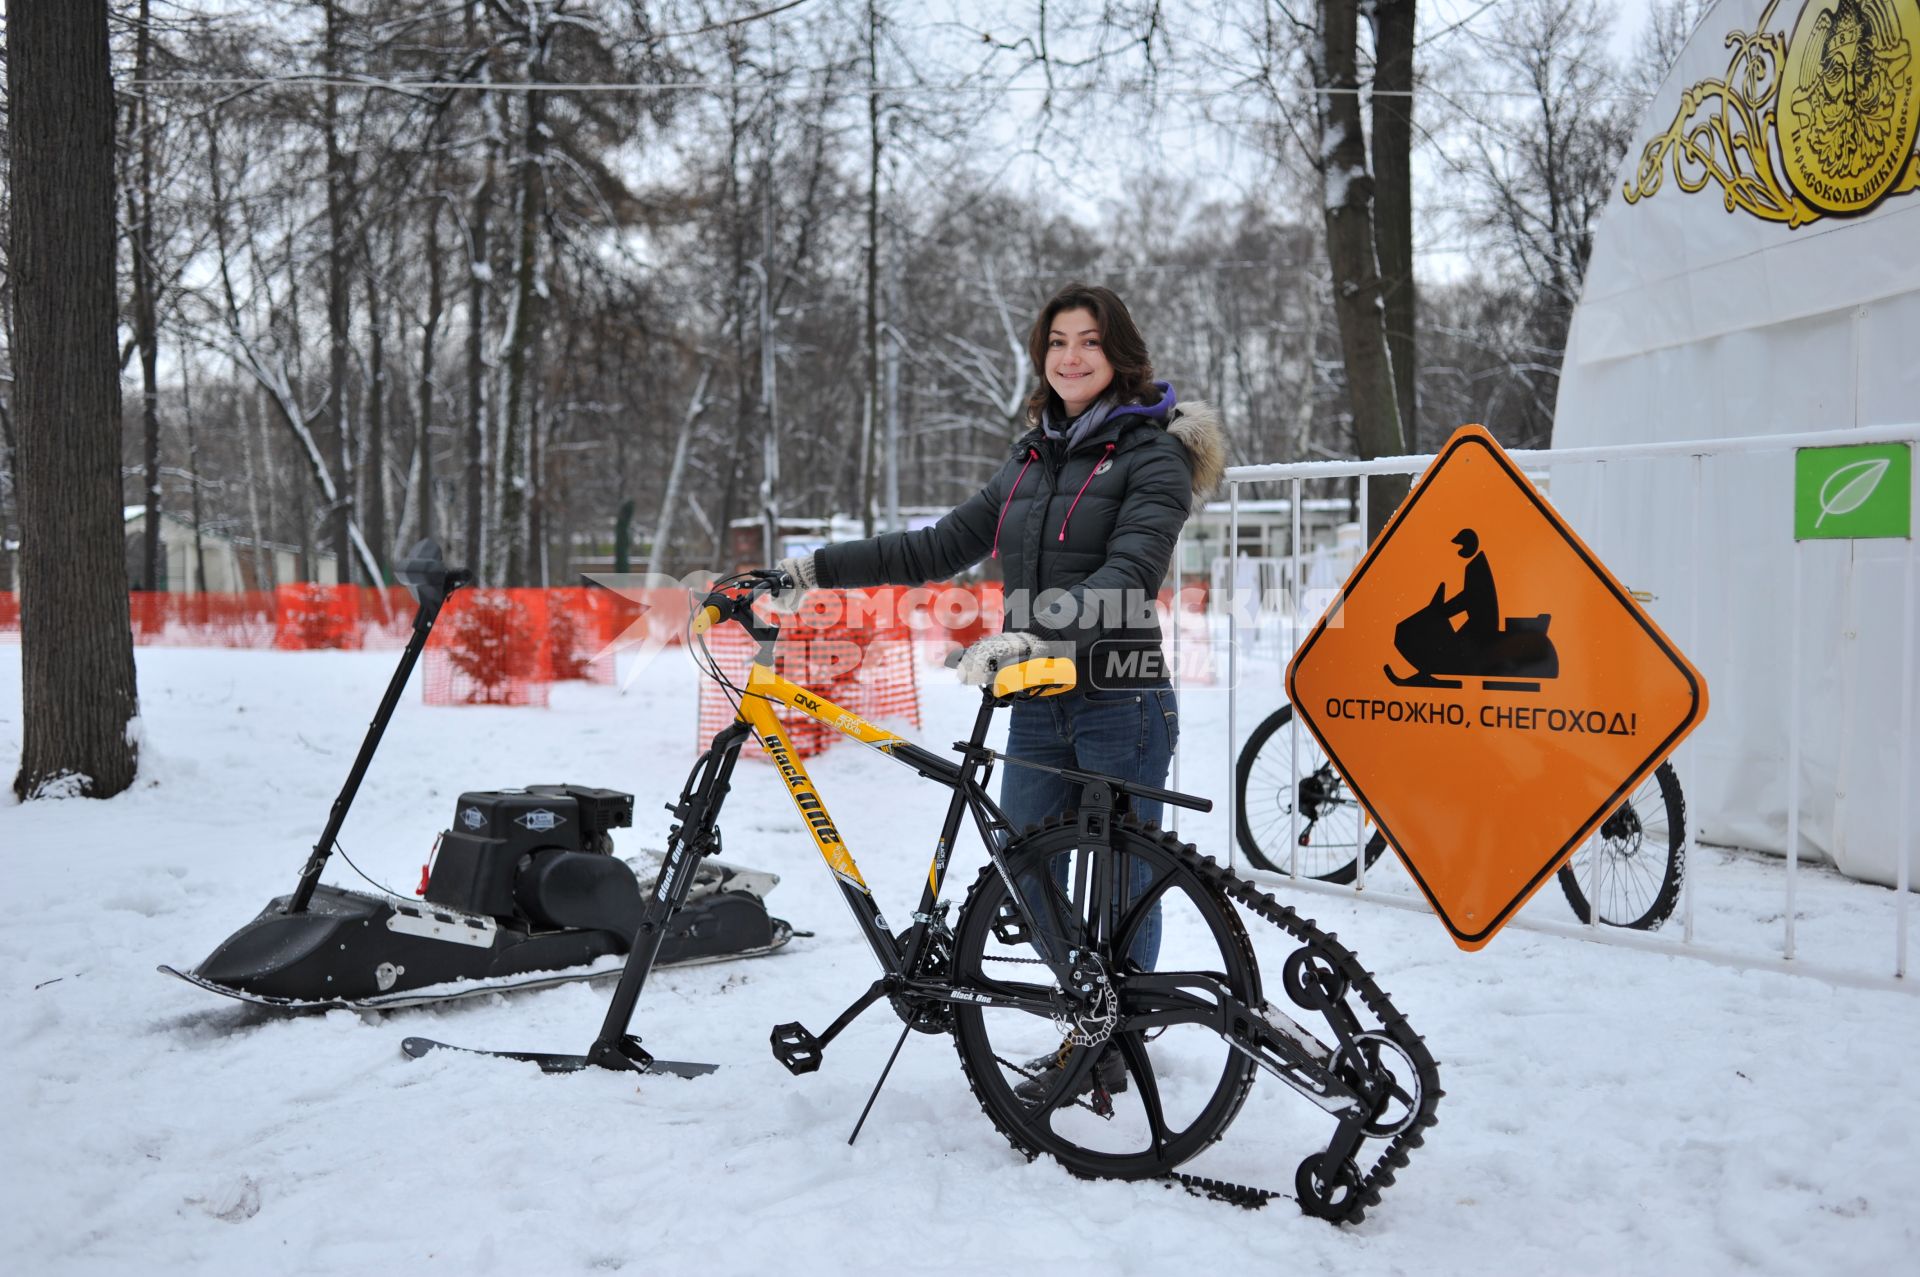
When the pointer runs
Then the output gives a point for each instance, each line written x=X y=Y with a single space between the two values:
x=1325 y=944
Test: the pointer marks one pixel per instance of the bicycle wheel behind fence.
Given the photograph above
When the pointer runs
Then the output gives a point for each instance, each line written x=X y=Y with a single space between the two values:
x=1293 y=808
x=1641 y=853
x=1173 y=1089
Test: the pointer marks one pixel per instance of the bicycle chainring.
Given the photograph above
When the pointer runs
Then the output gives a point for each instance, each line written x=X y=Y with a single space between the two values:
x=926 y=1015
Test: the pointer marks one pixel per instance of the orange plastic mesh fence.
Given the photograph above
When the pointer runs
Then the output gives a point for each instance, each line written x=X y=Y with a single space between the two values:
x=580 y=624
x=501 y=647
x=385 y=616
x=853 y=647
x=312 y=617
x=490 y=647
x=202 y=620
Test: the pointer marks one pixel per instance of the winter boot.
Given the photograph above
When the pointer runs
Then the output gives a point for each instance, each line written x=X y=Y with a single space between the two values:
x=1109 y=1074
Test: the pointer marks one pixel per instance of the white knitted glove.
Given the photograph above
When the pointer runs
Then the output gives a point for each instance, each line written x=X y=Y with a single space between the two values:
x=986 y=658
x=801 y=570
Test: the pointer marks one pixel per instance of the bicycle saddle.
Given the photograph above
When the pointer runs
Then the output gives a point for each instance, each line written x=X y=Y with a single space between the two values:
x=1036 y=676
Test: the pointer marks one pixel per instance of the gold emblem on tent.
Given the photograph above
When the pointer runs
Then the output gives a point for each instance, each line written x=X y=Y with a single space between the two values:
x=1845 y=138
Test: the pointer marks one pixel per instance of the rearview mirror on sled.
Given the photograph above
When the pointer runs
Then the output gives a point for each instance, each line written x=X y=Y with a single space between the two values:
x=425 y=572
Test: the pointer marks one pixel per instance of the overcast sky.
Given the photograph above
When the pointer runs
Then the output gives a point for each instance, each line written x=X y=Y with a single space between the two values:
x=1081 y=168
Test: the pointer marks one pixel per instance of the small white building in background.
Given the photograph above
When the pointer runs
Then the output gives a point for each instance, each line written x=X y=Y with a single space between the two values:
x=1779 y=295
x=232 y=563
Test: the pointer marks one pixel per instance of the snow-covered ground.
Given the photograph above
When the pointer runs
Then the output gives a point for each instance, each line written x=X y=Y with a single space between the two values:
x=1607 y=1112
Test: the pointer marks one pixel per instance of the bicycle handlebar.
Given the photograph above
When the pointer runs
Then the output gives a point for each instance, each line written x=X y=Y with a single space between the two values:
x=720 y=605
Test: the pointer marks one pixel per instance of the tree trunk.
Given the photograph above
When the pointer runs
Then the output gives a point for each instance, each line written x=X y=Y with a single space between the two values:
x=743 y=417
x=478 y=275
x=199 y=583
x=146 y=331
x=78 y=696
x=536 y=569
x=661 y=558
x=1356 y=271
x=339 y=283
x=871 y=414
x=375 y=487
x=523 y=325
x=429 y=331
x=249 y=424
x=1393 y=195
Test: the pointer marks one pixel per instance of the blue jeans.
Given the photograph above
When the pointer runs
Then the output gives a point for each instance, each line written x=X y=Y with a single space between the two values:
x=1128 y=734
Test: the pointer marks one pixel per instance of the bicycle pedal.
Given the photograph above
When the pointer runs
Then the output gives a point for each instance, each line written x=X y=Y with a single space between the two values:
x=796 y=1047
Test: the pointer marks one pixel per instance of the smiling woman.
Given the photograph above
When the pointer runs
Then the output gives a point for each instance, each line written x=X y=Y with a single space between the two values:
x=1082 y=517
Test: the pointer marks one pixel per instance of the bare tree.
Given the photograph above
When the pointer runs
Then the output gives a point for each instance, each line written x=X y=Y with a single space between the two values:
x=1391 y=147
x=146 y=328
x=1543 y=154
x=1358 y=303
x=340 y=270
x=78 y=692
x=1669 y=26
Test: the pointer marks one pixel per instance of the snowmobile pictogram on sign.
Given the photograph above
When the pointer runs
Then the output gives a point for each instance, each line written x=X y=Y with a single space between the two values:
x=1488 y=714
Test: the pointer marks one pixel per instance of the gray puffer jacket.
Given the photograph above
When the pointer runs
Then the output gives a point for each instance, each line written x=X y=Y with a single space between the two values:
x=1084 y=537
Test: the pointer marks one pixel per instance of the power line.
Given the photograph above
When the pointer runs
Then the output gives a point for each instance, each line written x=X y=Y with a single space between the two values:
x=725 y=86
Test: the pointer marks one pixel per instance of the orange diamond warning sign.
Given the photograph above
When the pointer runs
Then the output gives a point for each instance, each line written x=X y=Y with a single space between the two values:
x=1488 y=689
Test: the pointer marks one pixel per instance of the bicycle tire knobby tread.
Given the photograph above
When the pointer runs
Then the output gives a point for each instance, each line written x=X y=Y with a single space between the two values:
x=1168 y=843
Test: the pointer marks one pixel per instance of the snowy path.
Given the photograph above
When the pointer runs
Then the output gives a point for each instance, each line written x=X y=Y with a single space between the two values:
x=1607 y=1112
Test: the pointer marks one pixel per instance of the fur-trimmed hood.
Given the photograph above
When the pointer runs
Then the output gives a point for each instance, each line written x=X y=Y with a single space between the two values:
x=1197 y=426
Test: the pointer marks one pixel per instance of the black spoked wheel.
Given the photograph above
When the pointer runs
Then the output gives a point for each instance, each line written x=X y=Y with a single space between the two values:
x=1641 y=850
x=1145 y=1084
x=1292 y=800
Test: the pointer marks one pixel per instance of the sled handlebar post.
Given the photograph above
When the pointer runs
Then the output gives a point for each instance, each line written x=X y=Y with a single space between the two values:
x=431 y=583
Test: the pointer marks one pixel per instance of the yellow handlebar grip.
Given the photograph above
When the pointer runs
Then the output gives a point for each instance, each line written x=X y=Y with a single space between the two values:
x=705 y=619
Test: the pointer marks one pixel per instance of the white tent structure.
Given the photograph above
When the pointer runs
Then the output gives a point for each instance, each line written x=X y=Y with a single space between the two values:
x=1757 y=272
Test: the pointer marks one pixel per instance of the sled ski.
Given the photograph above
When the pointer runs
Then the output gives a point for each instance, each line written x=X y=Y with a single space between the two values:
x=553 y=1062
x=600 y=969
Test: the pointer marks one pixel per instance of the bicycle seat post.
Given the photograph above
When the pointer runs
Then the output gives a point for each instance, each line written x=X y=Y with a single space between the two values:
x=982 y=721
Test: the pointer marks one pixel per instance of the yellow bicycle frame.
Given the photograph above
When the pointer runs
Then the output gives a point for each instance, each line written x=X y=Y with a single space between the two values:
x=765 y=689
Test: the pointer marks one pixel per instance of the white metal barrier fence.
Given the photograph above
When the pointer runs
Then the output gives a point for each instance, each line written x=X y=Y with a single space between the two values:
x=1591 y=464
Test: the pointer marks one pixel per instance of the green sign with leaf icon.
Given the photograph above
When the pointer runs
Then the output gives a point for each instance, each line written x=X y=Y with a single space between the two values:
x=1851 y=493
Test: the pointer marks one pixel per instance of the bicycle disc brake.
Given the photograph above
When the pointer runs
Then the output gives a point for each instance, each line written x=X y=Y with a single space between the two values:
x=1096 y=1009
x=1369 y=1069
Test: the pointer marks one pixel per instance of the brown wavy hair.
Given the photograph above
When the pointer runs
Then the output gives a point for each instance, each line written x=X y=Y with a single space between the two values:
x=1120 y=339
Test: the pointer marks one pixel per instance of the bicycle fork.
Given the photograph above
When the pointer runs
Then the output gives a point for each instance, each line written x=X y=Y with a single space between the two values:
x=691 y=841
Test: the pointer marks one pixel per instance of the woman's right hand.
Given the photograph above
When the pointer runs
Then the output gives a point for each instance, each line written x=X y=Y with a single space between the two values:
x=788 y=596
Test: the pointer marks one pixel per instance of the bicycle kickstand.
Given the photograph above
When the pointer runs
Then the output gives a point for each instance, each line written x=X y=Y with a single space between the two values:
x=882 y=1081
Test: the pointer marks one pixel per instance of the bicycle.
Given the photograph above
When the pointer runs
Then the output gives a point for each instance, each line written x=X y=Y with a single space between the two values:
x=1037 y=961
x=1296 y=812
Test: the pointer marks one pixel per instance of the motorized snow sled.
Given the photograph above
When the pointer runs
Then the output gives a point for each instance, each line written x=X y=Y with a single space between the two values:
x=1515 y=659
x=524 y=890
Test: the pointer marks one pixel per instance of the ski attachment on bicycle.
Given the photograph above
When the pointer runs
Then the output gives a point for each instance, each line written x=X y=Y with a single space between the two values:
x=554 y=1062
